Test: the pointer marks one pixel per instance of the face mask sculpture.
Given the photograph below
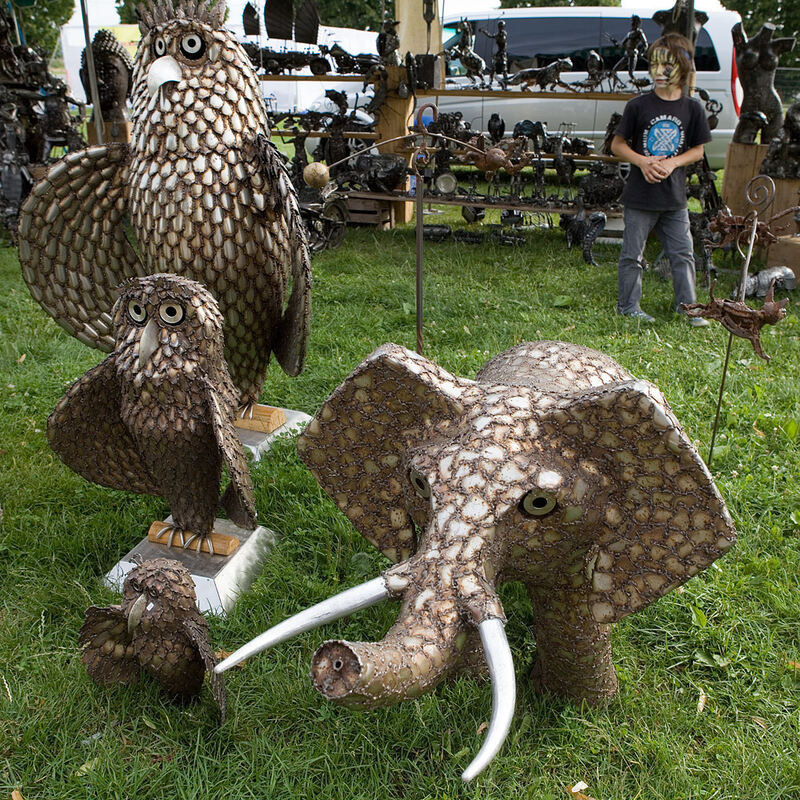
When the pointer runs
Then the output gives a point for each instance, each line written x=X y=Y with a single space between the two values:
x=554 y=468
x=206 y=193
x=156 y=417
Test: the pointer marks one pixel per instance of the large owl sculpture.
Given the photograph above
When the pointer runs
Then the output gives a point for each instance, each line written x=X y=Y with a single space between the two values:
x=205 y=193
x=156 y=417
x=157 y=629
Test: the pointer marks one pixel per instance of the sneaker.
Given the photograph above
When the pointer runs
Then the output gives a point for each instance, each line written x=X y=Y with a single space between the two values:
x=697 y=322
x=639 y=315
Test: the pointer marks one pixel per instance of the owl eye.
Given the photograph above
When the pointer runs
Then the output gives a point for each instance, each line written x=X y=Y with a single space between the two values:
x=135 y=585
x=171 y=312
x=537 y=503
x=159 y=46
x=136 y=311
x=420 y=483
x=192 y=45
x=152 y=591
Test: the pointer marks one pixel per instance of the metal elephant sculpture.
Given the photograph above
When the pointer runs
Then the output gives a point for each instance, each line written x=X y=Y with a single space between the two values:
x=553 y=467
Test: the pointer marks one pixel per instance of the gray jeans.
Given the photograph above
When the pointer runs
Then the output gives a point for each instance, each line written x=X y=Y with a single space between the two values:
x=672 y=229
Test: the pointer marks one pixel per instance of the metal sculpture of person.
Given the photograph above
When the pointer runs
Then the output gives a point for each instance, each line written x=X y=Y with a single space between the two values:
x=500 y=58
x=783 y=157
x=756 y=62
x=635 y=46
x=388 y=44
x=114 y=70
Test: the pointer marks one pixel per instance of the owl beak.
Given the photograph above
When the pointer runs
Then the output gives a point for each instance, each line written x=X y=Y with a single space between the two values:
x=135 y=614
x=148 y=342
x=163 y=70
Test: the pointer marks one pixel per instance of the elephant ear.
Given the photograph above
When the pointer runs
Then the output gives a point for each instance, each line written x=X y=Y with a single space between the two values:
x=662 y=519
x=356 y=446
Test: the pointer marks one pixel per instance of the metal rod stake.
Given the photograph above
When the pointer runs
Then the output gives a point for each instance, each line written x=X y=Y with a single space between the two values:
x=96 y=112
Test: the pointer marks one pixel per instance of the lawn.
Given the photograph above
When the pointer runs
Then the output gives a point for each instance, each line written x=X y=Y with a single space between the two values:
x=709 y=703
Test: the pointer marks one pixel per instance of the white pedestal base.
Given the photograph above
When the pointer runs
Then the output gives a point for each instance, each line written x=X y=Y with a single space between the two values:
x=259 y=443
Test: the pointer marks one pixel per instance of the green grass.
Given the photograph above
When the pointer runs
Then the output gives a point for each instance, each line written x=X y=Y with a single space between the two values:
x=730 y=636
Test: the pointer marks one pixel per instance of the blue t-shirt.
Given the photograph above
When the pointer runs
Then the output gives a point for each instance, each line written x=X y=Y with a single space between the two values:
x=657 y=127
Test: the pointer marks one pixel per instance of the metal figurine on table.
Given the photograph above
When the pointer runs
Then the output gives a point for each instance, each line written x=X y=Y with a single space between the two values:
x=500 y=57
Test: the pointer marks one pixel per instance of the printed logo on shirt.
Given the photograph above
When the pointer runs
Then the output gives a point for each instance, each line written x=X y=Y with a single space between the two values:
x=664 y=136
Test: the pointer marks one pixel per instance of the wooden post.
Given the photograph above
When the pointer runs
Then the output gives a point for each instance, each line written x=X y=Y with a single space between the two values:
x=412 y=29
x=742 y=164
x=392 y=120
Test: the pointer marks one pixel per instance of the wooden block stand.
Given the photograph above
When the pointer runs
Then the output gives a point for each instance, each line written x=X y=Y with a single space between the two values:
x=742 y=164
x=786 y=252
x=379 y=213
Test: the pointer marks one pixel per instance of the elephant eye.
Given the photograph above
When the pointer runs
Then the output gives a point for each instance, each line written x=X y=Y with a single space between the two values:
x=420 y=483
x=537 y=503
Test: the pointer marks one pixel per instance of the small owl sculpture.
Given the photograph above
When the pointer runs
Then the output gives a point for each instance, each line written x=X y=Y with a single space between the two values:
x=206 y=193
x=157 y=629
x=156 y=416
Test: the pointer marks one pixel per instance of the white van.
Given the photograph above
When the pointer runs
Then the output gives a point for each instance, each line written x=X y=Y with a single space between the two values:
x=540 y=35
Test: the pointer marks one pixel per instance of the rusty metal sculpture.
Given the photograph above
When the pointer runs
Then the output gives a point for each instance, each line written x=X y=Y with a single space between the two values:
x=756 y=62
x=157 y=630
x=554 y=468
x=783 y=157
x=114 y=70
x=545 y=77
x=511 y=155
x=156 y=417
x=206 y=193
x=738 y=318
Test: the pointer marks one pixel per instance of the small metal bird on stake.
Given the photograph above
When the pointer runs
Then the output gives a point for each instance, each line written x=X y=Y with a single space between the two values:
x=760 y=193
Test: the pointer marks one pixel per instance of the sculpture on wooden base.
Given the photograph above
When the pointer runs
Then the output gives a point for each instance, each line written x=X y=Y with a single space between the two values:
x=553 y=468
x=156 y=417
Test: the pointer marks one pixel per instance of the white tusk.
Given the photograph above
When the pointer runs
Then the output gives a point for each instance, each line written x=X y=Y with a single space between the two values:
x=163 y=70
x=147 y=344
x=340 y=605
x=504 y=694
x=135 y=614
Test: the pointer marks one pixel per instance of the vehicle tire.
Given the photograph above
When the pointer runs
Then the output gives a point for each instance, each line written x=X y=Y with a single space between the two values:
x=319 y=66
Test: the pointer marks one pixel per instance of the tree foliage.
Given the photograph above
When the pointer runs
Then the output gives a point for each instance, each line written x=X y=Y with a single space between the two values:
x=127 y=11
x=352 y=13
x=41 y=22
x=786 y=16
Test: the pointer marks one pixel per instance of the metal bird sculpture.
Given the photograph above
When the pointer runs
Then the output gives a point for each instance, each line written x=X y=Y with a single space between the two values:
x=157 y=630
x=156 y=417
x=206 y=194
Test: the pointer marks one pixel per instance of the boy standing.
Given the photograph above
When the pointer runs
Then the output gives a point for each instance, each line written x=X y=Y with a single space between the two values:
x=660 y=133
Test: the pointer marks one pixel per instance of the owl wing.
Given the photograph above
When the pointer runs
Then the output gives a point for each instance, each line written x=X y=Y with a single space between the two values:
x=106 y=644
x=238 y=500
x=197 y=631
x=86 y=432
x=295 y=324
x=72 y=244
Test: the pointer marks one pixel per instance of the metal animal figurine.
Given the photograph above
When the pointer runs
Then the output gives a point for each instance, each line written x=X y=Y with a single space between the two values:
x=114 y=70
x=206 y=193
x=156 y=417
x=738 y=318
x=756 y=62
x=510 y=155
x=582 y=231
x=554 y=468
x=388 y=44
x=545 y=77
x=758 y=285
x=496 y=127
x=157 y=630
x=464 y=51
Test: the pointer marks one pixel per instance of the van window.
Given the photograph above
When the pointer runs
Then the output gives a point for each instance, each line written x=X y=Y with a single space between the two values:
x=705 y=57
x=536 y=41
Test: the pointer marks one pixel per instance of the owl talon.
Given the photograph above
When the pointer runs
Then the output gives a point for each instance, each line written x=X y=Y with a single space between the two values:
x=163 y=531
x=200 y=539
